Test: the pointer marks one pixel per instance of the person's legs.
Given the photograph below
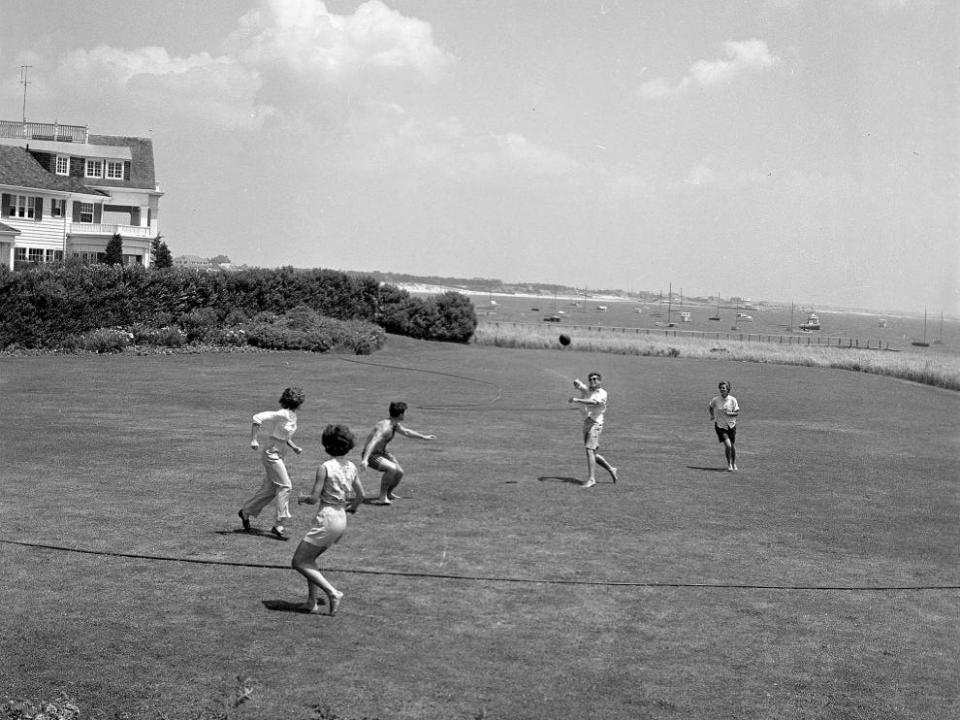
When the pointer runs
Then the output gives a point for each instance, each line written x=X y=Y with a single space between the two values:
x=260 y=499
x=305 y=562
x=392 y=475
x=728 y=452
x=277 y=472
x=397 y=477
x=591 y=468
x=602 y=462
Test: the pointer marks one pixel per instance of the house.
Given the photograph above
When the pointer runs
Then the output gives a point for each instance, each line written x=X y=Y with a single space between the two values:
x=65 y=192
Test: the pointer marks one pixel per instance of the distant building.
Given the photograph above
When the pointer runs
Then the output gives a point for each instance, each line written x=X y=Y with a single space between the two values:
x=65 y=192
x=192 y=261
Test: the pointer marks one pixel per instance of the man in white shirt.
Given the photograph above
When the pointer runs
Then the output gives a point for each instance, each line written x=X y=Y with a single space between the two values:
x=724 y=411
x=593 y=402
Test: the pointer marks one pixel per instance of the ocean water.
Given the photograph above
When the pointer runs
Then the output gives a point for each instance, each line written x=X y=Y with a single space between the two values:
x=898 y=331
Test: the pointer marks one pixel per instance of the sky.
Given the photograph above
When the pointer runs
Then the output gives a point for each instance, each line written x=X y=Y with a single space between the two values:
x=782 y=150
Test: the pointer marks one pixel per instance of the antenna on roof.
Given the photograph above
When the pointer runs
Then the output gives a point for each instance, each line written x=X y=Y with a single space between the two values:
x=24 y=82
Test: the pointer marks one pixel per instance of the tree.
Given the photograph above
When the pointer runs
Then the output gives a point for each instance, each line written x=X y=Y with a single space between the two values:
x=220 y=260
x=114 y=254
x=160 y=255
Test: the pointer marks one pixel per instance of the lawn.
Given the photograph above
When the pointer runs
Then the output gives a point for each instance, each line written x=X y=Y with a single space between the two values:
x=820 y=581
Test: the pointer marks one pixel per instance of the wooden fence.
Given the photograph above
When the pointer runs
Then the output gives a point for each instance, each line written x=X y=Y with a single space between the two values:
x=812 y=338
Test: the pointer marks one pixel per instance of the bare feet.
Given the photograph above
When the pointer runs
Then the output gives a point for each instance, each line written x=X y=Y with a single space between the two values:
x=393 y=496
x=589 y=483
x=613 y=474
x=335 y=603
x=313 y=608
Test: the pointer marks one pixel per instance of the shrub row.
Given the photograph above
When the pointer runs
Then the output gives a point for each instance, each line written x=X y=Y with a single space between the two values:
x=301 y=329
x=47 y=305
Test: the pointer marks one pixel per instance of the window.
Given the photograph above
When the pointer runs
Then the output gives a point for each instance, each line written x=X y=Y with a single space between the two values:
x=115 y=170
x=58 y=208
x=63 y=164
x=22 y=206
x=35 y=255
x=86 y=212
x=94 y=168
x=54 y=256
x=20 y=254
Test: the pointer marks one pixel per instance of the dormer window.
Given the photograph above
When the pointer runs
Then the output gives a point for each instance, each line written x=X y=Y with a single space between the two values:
x=114 y=170
x=63 y=164
x=94 y=169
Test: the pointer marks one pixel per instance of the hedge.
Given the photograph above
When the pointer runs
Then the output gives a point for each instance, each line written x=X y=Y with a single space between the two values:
x=46 y=305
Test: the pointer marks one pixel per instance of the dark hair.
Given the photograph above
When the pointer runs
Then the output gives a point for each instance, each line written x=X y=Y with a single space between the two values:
x=595 y=374
x=397 y=409
x=724 y=382
x=292 y=398
x=337 y=440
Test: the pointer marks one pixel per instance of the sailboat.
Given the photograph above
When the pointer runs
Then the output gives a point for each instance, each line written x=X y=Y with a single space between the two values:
x=736 y=315
x=924 y=342
x=939 y=340
x=717 y=316
x=669 y=323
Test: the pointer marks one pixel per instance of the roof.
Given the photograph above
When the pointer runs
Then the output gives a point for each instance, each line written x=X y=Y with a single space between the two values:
x=142 y=173
x=19 y=168
x=7 y=230
x=107 y=152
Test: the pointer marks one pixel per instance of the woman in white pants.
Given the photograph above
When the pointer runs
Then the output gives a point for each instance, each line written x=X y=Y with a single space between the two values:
x=276 y=427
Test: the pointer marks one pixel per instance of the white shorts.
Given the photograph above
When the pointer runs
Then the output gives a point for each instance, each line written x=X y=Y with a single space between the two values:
x=328 y=526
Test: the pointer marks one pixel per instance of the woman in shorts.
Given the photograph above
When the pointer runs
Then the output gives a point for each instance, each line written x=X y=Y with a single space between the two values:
x=338 y=491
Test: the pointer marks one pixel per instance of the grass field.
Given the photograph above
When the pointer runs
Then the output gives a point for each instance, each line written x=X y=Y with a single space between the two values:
x=821 y=581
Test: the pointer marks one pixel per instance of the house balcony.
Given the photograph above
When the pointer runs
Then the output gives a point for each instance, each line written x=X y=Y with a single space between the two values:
x=99 y=229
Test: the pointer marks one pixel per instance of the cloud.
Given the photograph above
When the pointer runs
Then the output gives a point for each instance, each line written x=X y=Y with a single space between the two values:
x=742 y=58
x=386 y=139
x=213 y=89
x=706 y=174
x=304 y=37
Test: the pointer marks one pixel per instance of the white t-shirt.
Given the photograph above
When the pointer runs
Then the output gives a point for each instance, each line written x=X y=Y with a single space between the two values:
x=721 y=408
x=595 y=412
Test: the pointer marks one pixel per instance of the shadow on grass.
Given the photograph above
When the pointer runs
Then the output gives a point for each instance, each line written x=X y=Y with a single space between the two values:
x=560 y=478
x=287 y=606
x=706 y=469
x=254 y=532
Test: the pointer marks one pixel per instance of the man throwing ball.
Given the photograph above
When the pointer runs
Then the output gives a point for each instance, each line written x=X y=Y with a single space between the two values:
x=724 y=411
x=593 y=403
x=375 y=453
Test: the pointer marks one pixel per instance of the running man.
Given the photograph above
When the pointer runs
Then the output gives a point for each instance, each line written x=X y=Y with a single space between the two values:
x=593 y=403
x=375 y=453
x=724 y=411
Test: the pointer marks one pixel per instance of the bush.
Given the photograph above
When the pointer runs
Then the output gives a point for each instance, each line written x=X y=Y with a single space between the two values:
x=199 y=323
x=43 y=306
x=105 y=340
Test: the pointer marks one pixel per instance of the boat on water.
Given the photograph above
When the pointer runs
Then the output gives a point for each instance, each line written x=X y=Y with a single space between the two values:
x=745 y=317
x=812 y=322
x=923 y=343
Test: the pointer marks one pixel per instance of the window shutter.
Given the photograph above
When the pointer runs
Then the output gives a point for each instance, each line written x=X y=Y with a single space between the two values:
x=76 y=167
x=126 y=170
x=97 y=214
x=6 y=205
x=76 y=211
x=38 y=209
